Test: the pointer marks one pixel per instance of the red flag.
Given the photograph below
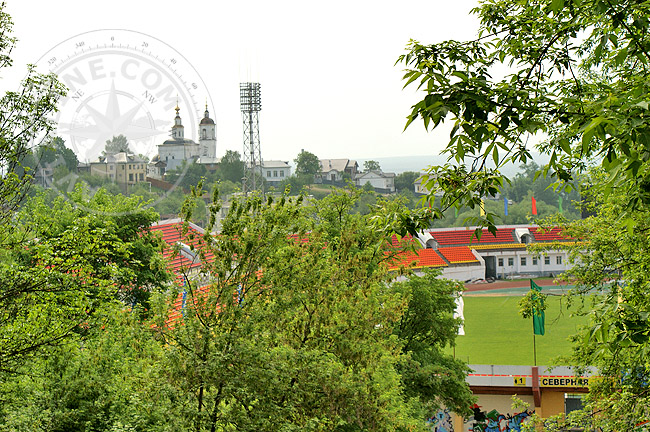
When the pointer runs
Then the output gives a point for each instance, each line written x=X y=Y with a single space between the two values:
x=534 y=207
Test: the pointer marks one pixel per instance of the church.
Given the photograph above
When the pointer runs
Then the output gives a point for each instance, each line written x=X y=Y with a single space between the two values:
x=177 y=149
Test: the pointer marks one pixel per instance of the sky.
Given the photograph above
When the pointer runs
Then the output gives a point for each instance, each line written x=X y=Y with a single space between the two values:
x=327 y=70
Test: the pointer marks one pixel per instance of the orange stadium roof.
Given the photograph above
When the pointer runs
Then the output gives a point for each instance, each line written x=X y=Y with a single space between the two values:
x=458 y=254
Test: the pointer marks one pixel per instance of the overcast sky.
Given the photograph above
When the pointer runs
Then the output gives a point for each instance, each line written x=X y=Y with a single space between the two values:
x=329 y=83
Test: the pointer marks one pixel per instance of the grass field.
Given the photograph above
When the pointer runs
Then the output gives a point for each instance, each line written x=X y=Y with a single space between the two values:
x=495 y=333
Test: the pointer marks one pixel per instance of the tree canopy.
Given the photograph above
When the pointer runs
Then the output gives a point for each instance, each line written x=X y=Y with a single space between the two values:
x=307 y=163
x=117 y=144
x=574 y=86
x=65 y=260
x=24 y=122
x=231 y=167
x=371 y=165
x=295 y=296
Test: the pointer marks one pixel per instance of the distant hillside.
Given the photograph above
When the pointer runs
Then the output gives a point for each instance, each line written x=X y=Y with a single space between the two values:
x=399 y=164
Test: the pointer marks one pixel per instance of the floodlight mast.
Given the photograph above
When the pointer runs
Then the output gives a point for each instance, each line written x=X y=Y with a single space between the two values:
x=251 y=105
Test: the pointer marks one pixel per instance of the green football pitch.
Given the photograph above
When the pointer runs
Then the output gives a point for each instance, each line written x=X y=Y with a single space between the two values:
x=495 y=333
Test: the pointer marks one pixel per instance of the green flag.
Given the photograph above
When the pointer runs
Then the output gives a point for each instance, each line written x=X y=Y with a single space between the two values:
x=538 y=310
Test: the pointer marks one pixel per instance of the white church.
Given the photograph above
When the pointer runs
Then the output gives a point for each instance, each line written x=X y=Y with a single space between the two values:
x=177 y=149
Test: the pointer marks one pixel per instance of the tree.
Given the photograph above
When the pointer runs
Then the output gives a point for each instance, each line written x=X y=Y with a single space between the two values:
x=55 y=154
x=371 y=165
x=65 y=261
x=427 y=327
x=117 y=144
x=578 y=79
x=231 y=167
x=24 y=120
x=307 y=163
x=192 y=174
x=406 y=180
x=69 y=158
x=103 y=380
x=294 y=297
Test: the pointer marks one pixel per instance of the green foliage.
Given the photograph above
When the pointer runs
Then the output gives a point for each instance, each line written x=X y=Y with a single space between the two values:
x=25 y=122
x=117 y=144
x=371 y=165
x=105 y=380
x=231 y=167
x=578 y=76
x=64 y=261
x=307 y=163
x=192 y=174
x=298 y=329
x=405 y=181
x=427 y=327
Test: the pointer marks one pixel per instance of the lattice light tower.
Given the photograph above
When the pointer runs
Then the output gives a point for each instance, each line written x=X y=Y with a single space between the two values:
x=251 y=104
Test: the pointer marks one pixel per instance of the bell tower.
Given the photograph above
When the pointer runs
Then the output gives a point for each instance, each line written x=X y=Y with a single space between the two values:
x=207 y=136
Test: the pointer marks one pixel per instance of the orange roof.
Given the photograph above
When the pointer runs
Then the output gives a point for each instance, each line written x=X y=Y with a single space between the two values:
x=419 y=259
x=457 y=255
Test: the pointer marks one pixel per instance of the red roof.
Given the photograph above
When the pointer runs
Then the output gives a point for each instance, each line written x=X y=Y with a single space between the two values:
x=172 y=234
x=548 y=234
x=403 y=241
x=465 y=237
x=458 y=254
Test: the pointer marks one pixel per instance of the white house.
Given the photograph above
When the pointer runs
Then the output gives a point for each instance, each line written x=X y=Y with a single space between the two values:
x=333 y=170
x=275 y=171
x=377 y=179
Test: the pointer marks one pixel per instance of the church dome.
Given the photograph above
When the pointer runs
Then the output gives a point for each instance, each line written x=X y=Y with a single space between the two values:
x=206 y=120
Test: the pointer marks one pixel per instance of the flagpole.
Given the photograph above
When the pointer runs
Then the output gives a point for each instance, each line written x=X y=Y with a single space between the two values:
x=534 y=351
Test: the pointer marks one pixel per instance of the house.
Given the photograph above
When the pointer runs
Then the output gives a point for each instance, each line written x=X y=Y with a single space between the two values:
x=123 y=168
x=418 y=186
x=275 y=171
x=335 y=170
x=381 y=181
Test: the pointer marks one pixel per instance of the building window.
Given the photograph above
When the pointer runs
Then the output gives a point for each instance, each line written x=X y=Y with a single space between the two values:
x=141 y=177
x=558 y=260
x=281 y=173
x=130 y=177
x=511 y=262
x=500 y=262
x=534 y=260
x=547 y=260
x=275 y=173
x=112 y=167
x=268 y=173
x=523 y=261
